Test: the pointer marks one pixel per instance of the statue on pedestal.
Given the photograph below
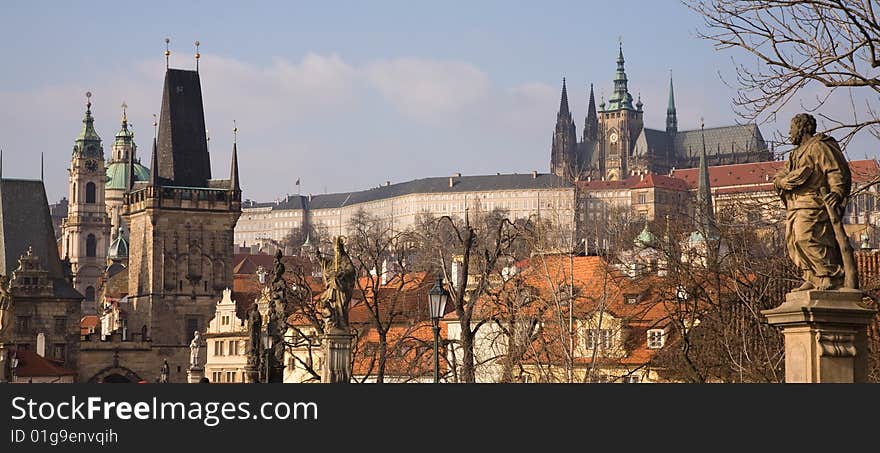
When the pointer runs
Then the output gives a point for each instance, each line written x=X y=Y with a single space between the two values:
x=195 y=351
x=339 y=278
x=255 y=323
x=814 y=186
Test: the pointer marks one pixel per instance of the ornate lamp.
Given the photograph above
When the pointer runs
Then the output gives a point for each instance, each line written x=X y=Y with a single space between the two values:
x=437 y=298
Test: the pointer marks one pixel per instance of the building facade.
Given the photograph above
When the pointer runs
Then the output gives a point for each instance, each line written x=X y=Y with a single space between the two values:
x=46 y=305
x=535 y=195
x=226 y=340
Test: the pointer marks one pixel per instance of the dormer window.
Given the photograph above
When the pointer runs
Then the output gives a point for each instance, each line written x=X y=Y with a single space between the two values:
x=656 y=338
x=631 y=299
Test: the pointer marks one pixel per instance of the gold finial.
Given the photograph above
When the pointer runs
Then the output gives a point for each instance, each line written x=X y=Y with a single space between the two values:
x=167 y=51
x=155 y=126
x=198 y=55
x=88 y=100
x=234 y=132
x=124 y=117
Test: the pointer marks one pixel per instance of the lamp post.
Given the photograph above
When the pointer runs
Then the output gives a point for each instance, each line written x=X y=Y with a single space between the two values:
x=268 y=343
x=437 y=298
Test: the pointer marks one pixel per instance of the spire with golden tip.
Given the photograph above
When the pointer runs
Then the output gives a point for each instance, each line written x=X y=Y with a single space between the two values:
x=198 y=55
x=167 y=51
x=233 y=176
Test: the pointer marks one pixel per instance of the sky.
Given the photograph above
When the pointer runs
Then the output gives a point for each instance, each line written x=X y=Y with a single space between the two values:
x=347 y=95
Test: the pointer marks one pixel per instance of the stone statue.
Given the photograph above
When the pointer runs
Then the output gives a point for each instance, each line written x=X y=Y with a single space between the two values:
x=814 y=185
x=195 y=351
x=339 y=278
x=255 y=323
x=164 y=372
x=6 y=307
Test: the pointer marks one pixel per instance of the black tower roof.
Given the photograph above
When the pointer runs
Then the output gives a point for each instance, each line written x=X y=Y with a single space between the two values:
x=183 y=145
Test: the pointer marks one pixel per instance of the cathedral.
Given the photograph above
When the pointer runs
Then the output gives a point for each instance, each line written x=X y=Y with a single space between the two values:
x=615 y=143
x=159 y=238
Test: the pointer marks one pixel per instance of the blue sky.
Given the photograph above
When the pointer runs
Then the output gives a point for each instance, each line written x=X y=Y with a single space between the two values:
x=346 y=95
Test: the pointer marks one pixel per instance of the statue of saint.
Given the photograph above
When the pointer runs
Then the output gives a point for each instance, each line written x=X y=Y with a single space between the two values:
x=255 y=323
x=6 y=307
x=339 y=278
x=195 y=350
x=814 y=186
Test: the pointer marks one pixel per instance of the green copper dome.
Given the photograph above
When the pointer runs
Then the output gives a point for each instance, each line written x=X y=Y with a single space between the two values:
x=119 y=247
x=645 y=238
x=117 y=174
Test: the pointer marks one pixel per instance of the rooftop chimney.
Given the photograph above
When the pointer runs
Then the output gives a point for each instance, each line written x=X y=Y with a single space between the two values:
x=387 y=183
x=451 y=181
x=534 y=174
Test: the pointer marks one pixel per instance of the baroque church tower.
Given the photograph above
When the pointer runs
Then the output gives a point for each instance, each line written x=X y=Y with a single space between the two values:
x=86 y=230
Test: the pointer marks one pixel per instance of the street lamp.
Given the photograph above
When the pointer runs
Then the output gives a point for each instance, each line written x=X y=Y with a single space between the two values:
x=268 y=343
x=437 y=298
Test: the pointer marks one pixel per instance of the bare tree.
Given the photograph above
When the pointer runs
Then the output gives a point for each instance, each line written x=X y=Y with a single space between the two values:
x=799 y=43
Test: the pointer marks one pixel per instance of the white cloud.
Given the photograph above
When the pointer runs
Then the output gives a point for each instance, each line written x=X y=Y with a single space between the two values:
x=428 y=90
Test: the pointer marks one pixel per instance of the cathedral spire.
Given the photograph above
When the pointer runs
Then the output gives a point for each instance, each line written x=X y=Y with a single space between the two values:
x=705 y=214
x=563 y=152
x=233 y=174
x=563 y=101
x=154 y=166
x=621 y=99
x=671 y=119
x=591 y=123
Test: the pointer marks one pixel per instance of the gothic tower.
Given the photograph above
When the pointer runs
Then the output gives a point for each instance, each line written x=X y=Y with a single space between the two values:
x=591 y=122
x=86 y=230
x=180 y=227
x=619 y=124
x=563 y=153
x=671 y=118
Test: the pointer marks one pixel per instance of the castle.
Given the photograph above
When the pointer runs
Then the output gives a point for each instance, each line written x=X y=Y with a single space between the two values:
x=615 y=143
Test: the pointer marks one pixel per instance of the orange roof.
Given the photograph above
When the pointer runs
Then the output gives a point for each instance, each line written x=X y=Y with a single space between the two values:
x=646 y=181
x=88 y=323
x=30 y=364
x=760 y=174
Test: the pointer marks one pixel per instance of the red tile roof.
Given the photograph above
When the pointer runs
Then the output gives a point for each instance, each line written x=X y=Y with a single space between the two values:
x=646 y=181
x=30 y=364
x=88 y=323
x=758 y=176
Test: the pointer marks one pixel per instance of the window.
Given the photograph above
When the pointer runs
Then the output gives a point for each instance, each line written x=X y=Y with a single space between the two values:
x=630 y=379
x=230 y=376
x=58 y=352
x=90 y=294
x=216 y=348
x=233 y=347
x=90 y=193
x=222 y=347
x=215 y=376
x=23 y=324
x=631 y=299
x=604 y=338
x=656 y=338
x=91 y=245
x=643 y=198
x=60 y=324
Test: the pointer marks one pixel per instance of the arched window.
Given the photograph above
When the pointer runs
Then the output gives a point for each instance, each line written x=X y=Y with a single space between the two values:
x=91 y=245
x=90 y=192
x=90 y=294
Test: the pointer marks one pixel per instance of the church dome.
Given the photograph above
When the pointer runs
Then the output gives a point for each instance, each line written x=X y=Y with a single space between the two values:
x=645 y=239
x=117 y=174
x=119 y=247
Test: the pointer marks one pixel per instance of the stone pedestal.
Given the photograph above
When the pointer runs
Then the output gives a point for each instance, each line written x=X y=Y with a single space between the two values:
x=194 y=374
x=336 y=348
x=825 y=336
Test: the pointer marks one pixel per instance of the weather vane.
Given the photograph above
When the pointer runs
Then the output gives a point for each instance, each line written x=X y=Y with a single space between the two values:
x=88 y=100
x=234 y=132
x=155 y=127
x=124 y=117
